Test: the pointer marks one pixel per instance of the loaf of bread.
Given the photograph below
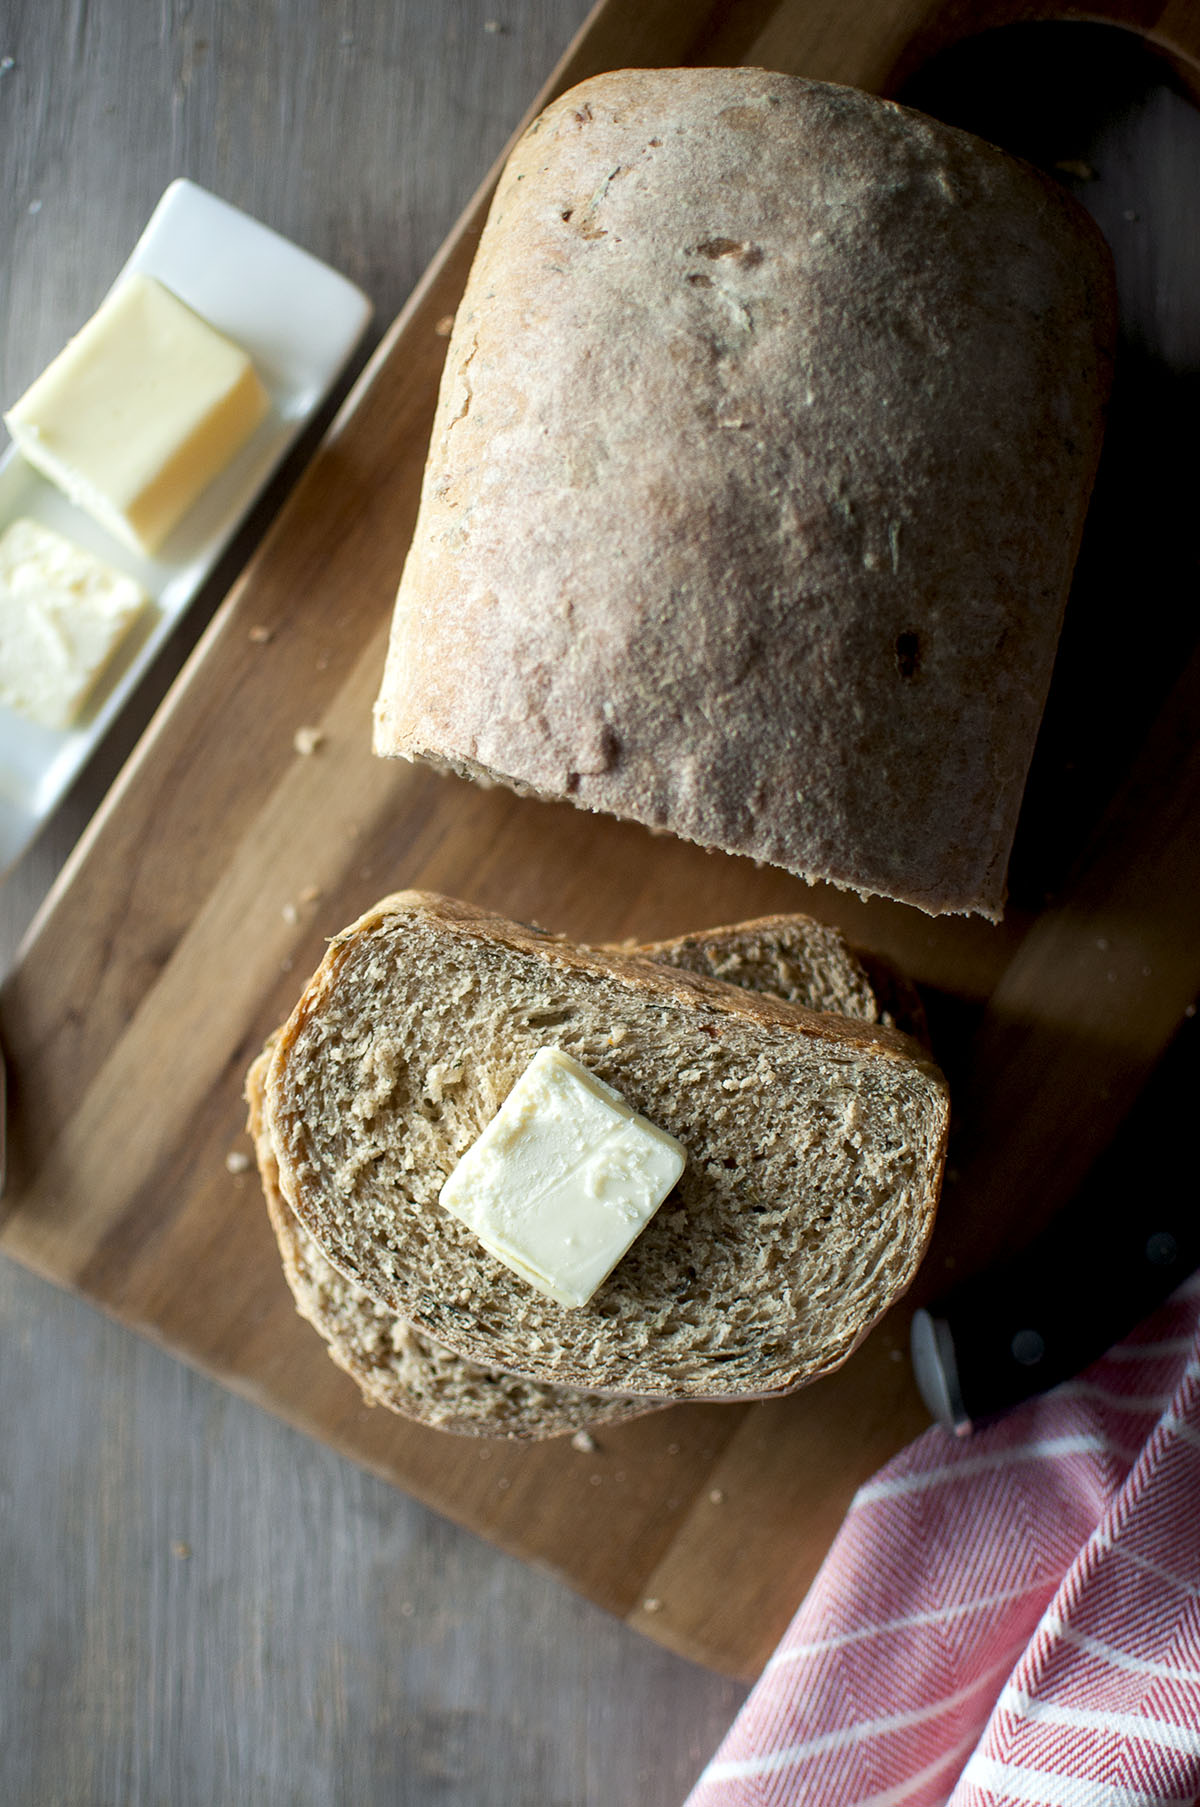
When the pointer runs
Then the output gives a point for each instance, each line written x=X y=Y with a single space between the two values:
x=765 y=438
x=793 y=957
x=814 y=1144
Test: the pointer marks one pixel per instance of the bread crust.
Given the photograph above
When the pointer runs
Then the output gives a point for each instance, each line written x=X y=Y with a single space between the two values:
x=344 y=1139
x=765 y=438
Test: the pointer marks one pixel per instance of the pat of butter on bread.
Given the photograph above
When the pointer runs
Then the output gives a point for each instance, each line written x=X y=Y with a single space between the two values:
x=63 y=613
x=139 y=413
x=563 y=1179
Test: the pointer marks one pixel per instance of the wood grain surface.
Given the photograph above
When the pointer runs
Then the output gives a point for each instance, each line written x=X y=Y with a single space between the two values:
x=179 y=933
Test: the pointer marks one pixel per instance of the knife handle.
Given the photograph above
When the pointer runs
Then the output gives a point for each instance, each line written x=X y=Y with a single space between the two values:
x=1129 y=1236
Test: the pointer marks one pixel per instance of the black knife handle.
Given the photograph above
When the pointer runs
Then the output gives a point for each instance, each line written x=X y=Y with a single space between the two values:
x=1129 y=1236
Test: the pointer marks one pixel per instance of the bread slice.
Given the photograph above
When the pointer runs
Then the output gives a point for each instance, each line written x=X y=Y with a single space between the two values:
x=764 y=443
x=803 y=961
x=395 y=1365
x=815 y=1150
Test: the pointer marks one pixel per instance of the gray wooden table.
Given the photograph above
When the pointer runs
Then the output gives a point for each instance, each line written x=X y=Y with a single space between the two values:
x=196 y=1604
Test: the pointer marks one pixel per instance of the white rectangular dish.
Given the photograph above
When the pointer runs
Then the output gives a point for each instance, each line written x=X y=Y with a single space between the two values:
x=300 y=321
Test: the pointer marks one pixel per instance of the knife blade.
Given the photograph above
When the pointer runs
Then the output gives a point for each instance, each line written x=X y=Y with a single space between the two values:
x=1128 y=1238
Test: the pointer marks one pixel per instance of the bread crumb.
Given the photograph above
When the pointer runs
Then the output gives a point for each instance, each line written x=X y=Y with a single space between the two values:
x=259 y=635
x=182 y=1550
x=494 y=26
x=584 y=1442
x=307 y=740
x=310 y=894
x=290 y=913
x=237 y=1160
x=1075 y=166
x=445 y=326
x=716 y=1495
x=652 y=1605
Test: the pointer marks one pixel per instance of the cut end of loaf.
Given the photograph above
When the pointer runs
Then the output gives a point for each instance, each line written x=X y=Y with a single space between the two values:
x=986 y=897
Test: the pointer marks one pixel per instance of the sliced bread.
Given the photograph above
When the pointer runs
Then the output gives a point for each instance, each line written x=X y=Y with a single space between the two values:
x=803 y=961
x=815 y=1148
x=395 y=1365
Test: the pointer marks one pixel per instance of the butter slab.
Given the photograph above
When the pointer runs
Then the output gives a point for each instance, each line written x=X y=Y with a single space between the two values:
x=564 y=1178
x=139 y=412
x=63 y=614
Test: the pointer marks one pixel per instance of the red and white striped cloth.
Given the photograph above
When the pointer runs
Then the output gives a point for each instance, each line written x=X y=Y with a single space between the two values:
x=1010 y=1618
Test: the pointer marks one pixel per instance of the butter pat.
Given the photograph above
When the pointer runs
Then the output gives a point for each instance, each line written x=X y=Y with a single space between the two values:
x=563 y=1179
x=140 y=411
x=63 y=613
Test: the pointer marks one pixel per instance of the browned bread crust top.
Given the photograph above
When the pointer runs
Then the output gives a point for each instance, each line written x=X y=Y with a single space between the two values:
x=763 y=448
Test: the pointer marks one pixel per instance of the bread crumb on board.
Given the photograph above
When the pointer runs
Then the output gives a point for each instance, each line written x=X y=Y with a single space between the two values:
x=308 y=895
x=584 y=1442
x=652 y=1605
x=237 y=1161
x=259 y=636
x=445 y=326
x=307 y=740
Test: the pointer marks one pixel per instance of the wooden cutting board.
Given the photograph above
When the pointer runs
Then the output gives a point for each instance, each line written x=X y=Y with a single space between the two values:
x=183 y=927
